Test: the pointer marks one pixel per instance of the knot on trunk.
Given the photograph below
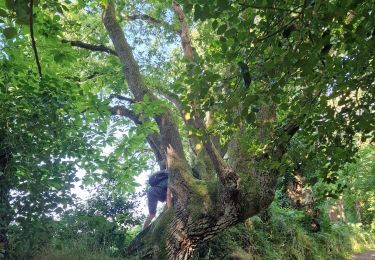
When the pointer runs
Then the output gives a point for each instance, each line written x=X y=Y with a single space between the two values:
x=231 y=180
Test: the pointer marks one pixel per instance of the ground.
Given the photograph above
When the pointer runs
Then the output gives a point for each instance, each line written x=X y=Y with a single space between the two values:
x=369 y=255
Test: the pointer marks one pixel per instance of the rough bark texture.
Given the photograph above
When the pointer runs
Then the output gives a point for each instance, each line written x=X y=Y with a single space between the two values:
x=185 y=34
x=201 y=208
x=168 y=129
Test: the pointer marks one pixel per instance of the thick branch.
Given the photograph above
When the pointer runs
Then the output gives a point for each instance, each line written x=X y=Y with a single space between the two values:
x=170 y=137
x=144 y=17
x=188 y=122
x=119 y=97
x=33 y=39
x=171 y=97
x=286 y=132
x=185 y=34
x=91 y=47
x=150 y=20
x=224 y=171
x=123 y=111
x=219 y=164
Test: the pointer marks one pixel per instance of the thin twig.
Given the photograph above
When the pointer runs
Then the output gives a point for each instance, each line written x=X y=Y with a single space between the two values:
x=33 y=39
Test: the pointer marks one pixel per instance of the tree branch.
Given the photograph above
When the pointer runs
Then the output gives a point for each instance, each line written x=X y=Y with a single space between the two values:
x=286 y=131
x=171 y=97
x=33 y=39
x=188 y=122
x=91 y=47
x=277 y=31
x=225 y=173
x=284 y=134
x=188 y=52
x=150 y=20
x=153 y=139
x=185 y=34
x=144 y=17
x=222 y=169
x=245 y=6
x=170 y=137
x=130 y=100
x=123 y=111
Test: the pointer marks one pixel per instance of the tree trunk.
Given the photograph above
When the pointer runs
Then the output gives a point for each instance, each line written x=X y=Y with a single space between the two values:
x=201 y=208
x=358 y=210
x=178 y=232
x=5 y=217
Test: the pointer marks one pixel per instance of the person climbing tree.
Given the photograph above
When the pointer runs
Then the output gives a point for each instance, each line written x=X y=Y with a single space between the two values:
x=158 y=191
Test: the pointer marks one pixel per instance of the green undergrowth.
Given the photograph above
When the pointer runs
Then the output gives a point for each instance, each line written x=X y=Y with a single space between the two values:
x=75 y=249
x=287 y=235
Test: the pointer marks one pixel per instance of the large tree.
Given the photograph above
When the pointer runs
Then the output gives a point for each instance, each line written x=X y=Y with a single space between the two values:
x=253 y=77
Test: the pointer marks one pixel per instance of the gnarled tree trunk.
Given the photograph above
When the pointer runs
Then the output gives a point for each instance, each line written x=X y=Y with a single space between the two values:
x=201 y=208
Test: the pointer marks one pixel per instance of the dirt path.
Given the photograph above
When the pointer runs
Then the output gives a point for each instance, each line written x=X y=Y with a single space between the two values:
x=369 y=255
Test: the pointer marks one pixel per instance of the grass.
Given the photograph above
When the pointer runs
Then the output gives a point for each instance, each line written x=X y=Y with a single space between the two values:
x=286 y=236
x=74 y=250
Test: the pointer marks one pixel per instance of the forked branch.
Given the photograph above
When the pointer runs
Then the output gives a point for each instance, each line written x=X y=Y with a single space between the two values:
x=170 y=137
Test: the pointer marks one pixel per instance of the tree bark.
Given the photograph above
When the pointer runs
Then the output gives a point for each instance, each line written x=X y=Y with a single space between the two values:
x=5 y=216
x=201 y=208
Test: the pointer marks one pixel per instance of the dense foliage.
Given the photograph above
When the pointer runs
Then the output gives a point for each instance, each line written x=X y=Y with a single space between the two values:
x=287 y=237
x=291 y=80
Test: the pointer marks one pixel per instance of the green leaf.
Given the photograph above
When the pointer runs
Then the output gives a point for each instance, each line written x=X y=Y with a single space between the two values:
x=65 y=8
x=10 y=32
x=3 y=13
x=231 y=33
x=250 y=118
x=10 y=4
x=275 y=98
x=222 y=29
x=223 y=4
x=59 y=57
x=215 y=24
x=188 y=7
x=198 y=13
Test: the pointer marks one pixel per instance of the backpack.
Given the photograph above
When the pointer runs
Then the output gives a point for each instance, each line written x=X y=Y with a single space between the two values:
x=157 y=177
